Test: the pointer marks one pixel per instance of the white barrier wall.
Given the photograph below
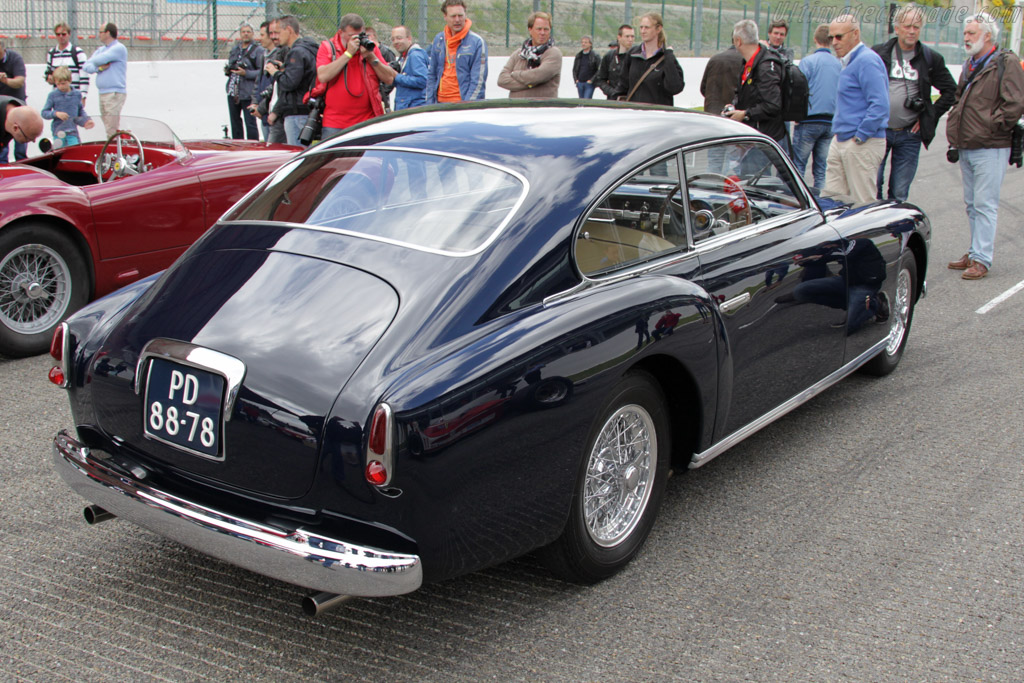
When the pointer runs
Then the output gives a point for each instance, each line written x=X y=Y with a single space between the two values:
x=189 y=95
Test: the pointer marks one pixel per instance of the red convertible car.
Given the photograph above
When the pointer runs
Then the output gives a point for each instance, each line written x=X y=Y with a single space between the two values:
x=79 y=222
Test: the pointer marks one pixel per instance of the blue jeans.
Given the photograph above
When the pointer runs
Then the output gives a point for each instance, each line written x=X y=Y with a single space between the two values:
x=238 y=112
x=983 y=171
x=812 y=137
x=20 y=151
x=585 y=90
x=906 y=148
x=293 y=127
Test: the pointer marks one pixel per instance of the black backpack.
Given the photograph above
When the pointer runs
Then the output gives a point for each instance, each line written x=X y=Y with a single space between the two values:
x=795 y=92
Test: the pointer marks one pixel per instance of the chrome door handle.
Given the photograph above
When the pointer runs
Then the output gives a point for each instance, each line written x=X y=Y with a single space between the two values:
x=732 y=305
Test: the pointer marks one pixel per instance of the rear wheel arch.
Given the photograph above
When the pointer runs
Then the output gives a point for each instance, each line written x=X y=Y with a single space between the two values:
x=685 y=407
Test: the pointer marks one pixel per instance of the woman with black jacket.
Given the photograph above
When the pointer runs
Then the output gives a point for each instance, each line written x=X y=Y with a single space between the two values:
x=653 y=73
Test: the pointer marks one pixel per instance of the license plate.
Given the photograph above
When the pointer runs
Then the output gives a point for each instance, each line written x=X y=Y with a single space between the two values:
x=183 y=407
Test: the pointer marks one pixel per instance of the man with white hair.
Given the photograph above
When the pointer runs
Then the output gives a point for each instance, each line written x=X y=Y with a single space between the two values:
x=862 y=114
x=989 y=101
x=758 y=101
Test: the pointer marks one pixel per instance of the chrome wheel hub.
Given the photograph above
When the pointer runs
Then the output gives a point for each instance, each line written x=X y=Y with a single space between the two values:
x=900 y=312
x=620 y=474
x=35 y=287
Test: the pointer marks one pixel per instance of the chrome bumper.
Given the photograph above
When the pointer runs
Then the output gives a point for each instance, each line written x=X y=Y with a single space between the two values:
x=296 y=556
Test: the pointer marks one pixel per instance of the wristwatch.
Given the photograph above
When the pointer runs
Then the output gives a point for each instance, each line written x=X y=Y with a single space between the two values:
x=857 y=140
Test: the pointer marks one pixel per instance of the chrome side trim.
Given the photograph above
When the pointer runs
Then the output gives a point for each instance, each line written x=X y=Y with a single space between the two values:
x=296 y=555
x=700 y=459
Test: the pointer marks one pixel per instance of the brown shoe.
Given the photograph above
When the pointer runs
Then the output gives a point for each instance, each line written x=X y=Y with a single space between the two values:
x=962 y=264
x=977 y=271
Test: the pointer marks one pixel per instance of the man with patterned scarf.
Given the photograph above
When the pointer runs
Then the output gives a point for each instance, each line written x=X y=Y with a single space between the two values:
x=457 y=71
x=536 y=70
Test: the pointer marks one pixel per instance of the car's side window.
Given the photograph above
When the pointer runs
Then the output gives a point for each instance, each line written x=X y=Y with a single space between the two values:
x=640 y=219
x=736 y=184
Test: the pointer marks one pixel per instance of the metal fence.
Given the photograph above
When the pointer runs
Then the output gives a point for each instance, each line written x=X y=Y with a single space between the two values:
x=204 y=29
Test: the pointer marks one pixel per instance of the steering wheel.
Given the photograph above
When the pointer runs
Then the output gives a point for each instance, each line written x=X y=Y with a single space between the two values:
x=664 y=208
x=739 y=206
x=116 y=164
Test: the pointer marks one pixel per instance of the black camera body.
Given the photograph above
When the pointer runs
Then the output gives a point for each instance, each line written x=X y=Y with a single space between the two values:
x=229 y=67
x=914 y=104
x=365 y=42
x=952 y=155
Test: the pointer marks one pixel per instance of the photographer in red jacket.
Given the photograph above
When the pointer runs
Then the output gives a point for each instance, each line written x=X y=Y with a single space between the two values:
x=352 y=68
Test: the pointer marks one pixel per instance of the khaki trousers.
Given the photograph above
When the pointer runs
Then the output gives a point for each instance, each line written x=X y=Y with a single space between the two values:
x=852 y=169
x=111 y=104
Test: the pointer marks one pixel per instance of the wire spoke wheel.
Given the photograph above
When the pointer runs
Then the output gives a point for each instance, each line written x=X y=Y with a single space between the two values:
x=620 y=482
x=43 y=278
x=35 y=288
x=900 y=312
x=619 y=473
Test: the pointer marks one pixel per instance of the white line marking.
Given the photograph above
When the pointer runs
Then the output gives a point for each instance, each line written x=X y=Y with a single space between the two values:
x=1001 y=298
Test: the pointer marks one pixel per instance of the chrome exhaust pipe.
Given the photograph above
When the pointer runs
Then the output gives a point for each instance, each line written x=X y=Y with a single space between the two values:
x=319 y=603
x=94 y=514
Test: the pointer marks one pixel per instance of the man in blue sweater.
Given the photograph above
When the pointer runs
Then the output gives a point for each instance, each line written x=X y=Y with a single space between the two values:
x=814 y=133
x=110 y=62
x=862 y=115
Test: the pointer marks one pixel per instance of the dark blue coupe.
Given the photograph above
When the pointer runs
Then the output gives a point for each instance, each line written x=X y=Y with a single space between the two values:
x=451 y=337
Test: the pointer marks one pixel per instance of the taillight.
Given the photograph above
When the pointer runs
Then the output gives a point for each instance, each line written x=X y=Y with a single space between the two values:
x=379 y=457
x=61 y=352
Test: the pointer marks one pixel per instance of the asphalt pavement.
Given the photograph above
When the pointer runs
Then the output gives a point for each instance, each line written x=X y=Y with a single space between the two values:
x=874 y=534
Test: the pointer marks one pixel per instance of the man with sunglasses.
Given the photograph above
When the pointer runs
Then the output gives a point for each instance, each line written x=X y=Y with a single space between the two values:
x=18 y=122
x=71 y=56
x=862 y=114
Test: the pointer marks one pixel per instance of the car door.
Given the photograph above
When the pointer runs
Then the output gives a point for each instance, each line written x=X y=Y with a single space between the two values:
x=155 y=211
x=759 y=238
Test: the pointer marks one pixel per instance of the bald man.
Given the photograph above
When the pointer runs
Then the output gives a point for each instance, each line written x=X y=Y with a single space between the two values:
x=862 y=115
x=18 y=122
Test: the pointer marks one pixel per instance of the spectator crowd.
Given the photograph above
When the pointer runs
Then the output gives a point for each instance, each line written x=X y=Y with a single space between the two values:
x=858 y=115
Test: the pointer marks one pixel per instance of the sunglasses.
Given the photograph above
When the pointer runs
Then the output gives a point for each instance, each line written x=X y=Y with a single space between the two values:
x=838 y=36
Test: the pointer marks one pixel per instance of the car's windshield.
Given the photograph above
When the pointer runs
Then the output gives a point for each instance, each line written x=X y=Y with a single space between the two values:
x=430 y=201
x=150 y=132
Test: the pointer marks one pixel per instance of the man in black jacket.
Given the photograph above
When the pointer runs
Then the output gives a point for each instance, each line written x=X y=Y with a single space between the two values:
x=243 y=70
x=296 y=78
x=758 y=101
x=914 y=69
x=584 y=68
x=610 y=73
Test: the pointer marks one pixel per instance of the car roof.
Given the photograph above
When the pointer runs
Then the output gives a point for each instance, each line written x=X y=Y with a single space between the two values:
x=530 y=136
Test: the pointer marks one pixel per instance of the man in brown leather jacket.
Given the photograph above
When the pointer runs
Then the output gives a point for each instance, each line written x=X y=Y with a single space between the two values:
x=989 y=101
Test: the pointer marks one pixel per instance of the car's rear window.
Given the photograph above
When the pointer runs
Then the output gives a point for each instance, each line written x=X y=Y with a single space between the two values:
x=429 y=201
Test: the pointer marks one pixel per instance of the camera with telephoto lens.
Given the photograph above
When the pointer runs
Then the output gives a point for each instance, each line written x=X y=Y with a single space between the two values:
x=952 y=155
x=914 y=104
x=312 y=128
x=229 y=67
x=365 y=42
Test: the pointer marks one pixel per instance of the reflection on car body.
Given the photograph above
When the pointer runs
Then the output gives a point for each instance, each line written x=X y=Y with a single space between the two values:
x=472 y=332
